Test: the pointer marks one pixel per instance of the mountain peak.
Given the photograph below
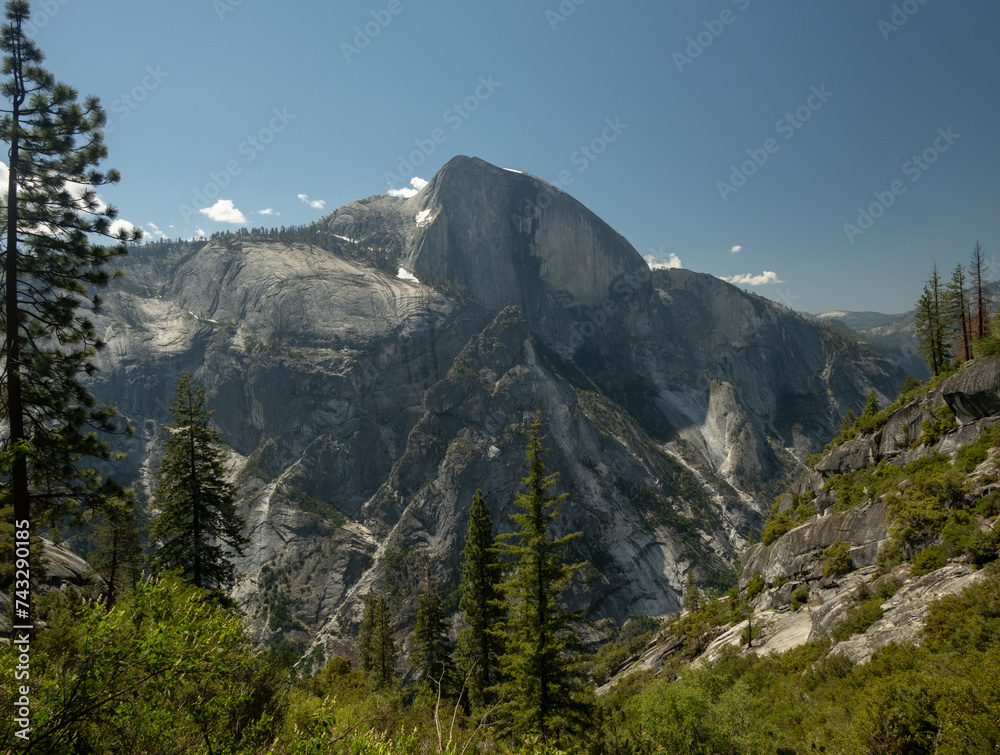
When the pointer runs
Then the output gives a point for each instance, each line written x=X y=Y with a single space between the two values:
x=507 y=237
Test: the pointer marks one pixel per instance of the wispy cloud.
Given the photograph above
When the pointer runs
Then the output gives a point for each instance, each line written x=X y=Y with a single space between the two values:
x=416 y=182
x=736 y=249
x=155 y=232
x=269 y=211
x=223 y=211
x=749 y=279
x=316 y=204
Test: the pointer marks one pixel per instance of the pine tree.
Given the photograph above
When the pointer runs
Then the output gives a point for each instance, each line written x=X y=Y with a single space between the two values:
x=431 y=653
x=692 y=595
x=956 y=313
x=871 y=404
x=118 y=556
x=541 y=663
x=980 y=304
x=376 y=645
x=930 y=325
x=50 y=271
x=198 y=524
x=480 y=643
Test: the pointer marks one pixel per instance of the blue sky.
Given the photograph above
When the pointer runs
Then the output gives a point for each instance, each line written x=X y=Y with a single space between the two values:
x=693 y=128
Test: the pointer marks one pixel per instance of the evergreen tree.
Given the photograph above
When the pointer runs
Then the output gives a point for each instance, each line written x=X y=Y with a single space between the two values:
x=980 y=303
x=118 y=556
x=871 y=404
x=692 y=595
x=480 y=643
x=956 y=313
x=50 y=270
x=376 y=645
x=541 y=660
x=198 y=524
x=431 y=652
x=930 y=325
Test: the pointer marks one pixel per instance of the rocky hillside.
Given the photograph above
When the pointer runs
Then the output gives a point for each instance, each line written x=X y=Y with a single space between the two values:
x=903 y=513
x=371 y=371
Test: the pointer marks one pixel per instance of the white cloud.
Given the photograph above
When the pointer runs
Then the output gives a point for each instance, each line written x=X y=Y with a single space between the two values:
x=673 y=262
x=316 y=204
x=269 y=211
x=749 y=279
x=200 y=233
x=736 y=249
x=224 y=211
x=155 y=232
x=416 y=182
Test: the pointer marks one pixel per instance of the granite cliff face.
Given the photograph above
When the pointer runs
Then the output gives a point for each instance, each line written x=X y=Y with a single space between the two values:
x=364 y=407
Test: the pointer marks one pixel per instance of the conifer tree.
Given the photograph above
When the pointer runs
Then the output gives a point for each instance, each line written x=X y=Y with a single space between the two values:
x=692 y=595
x=930 y=325
x=480 y=643
x=118 y=557
x=50 y=270
x=871 y=404
x=376 y=645
x=198 y=524
x=541 y=664
x=431 y=652
x=957 y=312
x=980 y=303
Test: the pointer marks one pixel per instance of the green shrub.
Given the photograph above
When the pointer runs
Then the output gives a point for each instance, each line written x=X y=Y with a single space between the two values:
x=886 y=588
x=927 y=560
x=838 y=559
x=800 y=597
x=755 y=586
x=776 y=526
x=858 y=619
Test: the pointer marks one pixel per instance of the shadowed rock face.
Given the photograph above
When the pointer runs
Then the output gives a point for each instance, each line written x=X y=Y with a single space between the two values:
x=364 y=409
x=974 y=392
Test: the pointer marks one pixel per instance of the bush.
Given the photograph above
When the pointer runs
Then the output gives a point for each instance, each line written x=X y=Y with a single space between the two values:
x=776 y=526
x=858 y=619
x=755 y=586
x=838 y=559
x=800 y=597
x=927 y=560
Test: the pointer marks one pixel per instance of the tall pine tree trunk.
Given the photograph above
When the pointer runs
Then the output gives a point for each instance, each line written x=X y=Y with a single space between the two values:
x=15 y=404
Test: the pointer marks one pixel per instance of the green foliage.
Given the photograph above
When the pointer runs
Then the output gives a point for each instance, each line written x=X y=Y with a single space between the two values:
x=480 y=643
x=376 y=645
x=755 y=586
x=313 y=505
x=932 y=430
x=858 y=619
x=117 y=556
x=51 y=273
x=927 y=560
x=800 y=597
x=838 y=559
x=783 y=521
x=198 y=525
x=165 y=665
x=431 y=656
x=692 y=595
x=543 y=686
